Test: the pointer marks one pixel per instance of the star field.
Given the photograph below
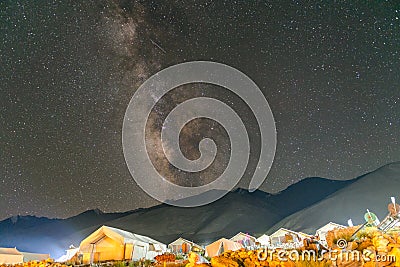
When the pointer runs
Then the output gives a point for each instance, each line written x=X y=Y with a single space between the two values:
x=68 y=70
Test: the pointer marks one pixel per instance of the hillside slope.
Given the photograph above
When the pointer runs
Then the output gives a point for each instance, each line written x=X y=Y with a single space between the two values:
x=371 y=191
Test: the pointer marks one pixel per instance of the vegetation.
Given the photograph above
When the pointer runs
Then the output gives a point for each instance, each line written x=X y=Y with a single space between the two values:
x=119 y=264
x=180 y=256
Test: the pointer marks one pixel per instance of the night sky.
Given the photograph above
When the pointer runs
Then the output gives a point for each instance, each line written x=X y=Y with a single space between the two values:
x=329 y=70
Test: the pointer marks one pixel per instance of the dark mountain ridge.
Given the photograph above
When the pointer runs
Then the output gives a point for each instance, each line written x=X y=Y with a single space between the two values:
x=239 y=210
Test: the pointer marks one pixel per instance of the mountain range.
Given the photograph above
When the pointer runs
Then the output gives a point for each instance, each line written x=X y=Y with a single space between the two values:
x=304 y=206
x=371 y=191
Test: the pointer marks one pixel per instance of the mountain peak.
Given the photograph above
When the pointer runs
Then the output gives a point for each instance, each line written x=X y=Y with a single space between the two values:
x=98 y=211
x=14 y=219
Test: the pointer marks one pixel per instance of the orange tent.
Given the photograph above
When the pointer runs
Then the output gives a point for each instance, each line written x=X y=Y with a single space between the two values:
x=108 y=243
x=220 y=246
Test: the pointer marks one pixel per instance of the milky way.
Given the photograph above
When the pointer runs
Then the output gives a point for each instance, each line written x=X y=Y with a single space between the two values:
x=329 y=72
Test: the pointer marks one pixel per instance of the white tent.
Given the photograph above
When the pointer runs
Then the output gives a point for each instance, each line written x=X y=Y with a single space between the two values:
x=11 y=256
x=182 y=245
x=245 y=239
x=264 y=240
x=14 y=256
x=323 y=231
x=71 y=253
x=287 y=238
x=220 y=246
x=108 y=243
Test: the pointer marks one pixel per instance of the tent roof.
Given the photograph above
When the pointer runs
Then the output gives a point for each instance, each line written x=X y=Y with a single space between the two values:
x=263 y=239
x=121 y=236
x=243 y=234
x=284 y=230
x=70 y=254
x=10 y=251
x=304 y=235
x=213 y=249
x=329 y=225
x=182 y=240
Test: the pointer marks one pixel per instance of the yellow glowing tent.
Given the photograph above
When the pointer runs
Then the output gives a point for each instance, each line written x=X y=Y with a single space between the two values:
x=246 y=240
x=108 y=243
x=220 y=246
x=10 y=256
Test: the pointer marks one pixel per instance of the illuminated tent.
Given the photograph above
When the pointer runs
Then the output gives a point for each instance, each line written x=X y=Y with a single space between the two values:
x=71 y=255
x=245 y=239
x=287 y=238
x=220 y=246
x=264 y=240
x=323 y=231
x=10 y=256
x=108 y=243
x=182 y=245
x=14 y=256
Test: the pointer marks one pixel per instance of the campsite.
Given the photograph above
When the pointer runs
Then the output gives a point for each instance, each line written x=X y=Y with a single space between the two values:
x=211 y=236
x=214 y=236
x=374 y=243
x=200 y=133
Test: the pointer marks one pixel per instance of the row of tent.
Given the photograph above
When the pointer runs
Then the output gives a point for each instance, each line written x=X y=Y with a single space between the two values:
x=287 y=239
x=282 y=238
x=109 y=243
